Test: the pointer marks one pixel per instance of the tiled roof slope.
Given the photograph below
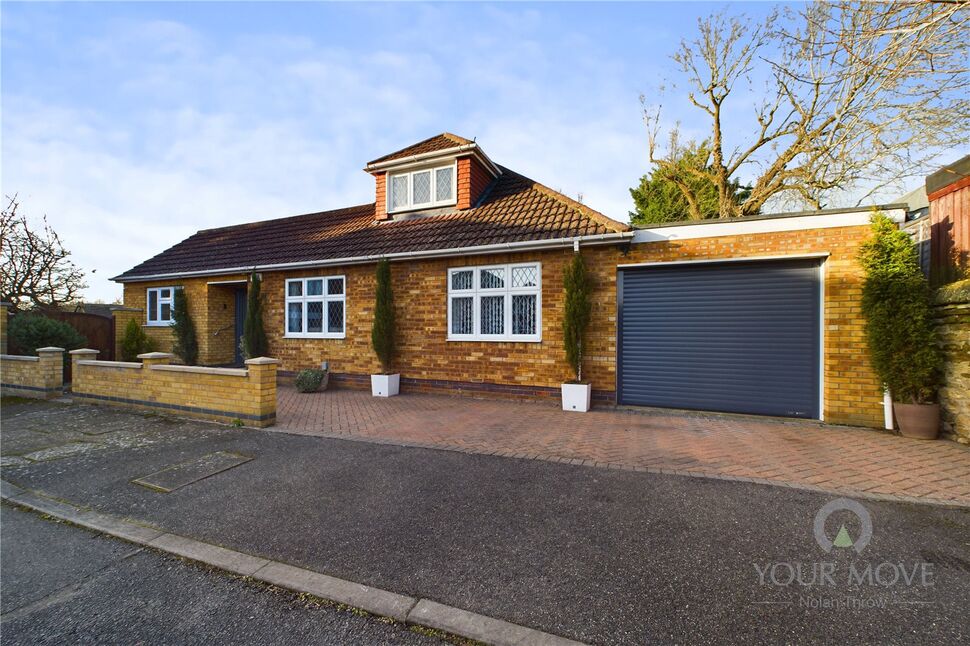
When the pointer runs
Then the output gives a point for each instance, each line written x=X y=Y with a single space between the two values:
x=514 y=209
x=443 y=141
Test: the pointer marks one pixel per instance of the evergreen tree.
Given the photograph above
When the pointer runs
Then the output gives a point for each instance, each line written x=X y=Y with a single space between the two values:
x=254 y=343
x=383 y=333
x=576 y=313
x=186 y=345
x=896 y=303
x=680 y=191
x=134 y=342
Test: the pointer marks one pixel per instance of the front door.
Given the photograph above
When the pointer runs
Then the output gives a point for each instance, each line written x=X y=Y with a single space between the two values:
x=241 y=303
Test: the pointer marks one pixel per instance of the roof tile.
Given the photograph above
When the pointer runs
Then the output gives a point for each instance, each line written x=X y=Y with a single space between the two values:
x=444 y=141
x=515 y=209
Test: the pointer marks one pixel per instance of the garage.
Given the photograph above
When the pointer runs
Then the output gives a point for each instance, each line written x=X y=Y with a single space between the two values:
x=739 y=337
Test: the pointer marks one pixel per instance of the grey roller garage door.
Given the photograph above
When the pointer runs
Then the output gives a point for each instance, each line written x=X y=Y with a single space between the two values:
x=738 y=337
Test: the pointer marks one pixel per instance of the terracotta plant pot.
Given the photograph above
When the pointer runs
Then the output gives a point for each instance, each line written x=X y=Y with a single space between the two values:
x=918 y=421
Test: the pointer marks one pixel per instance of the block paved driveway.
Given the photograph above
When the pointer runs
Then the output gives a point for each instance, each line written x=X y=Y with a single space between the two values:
x=805 y=455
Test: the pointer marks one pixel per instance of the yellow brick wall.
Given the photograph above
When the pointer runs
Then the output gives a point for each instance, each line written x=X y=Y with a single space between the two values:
x=218 y=394
x=852 y=393
x=211 y=307
x=40 y=377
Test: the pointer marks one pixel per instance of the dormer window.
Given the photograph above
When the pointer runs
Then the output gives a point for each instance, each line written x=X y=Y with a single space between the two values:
x=421 y=188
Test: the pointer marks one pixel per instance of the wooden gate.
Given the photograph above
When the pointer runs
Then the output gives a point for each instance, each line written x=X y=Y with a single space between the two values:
x=98 y=330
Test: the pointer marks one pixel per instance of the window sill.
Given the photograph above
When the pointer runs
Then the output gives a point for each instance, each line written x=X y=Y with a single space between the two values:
x=165 y=324
x=315 y=336
x=423 y=207
x=480 y=339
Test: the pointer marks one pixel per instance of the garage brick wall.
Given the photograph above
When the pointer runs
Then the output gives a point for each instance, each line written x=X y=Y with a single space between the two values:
x=852 y=393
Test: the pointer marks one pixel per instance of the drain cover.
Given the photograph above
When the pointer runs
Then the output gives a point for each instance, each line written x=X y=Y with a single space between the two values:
x=185 y=473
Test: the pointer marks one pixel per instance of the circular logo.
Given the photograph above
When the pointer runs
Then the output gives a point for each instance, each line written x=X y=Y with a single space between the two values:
x=842 y=538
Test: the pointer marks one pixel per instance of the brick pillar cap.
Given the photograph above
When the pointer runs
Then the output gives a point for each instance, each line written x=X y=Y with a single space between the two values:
x=6 y=304
x=156 y=355
x=261 y=361
x=84 y=351
x=122 y=308
x=50 y=349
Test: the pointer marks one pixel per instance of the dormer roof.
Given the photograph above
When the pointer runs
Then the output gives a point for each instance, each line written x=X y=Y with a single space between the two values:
x=440 y=146
x=438 y=143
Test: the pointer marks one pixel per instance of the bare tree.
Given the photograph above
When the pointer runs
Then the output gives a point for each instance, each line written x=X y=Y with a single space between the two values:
x=35 y=268
x=859 y=95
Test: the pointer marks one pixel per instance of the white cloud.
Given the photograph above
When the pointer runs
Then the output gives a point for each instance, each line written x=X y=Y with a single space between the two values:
x=190 y=133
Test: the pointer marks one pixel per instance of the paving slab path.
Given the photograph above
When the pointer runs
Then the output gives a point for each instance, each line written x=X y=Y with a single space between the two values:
x=810 y=455
x=602 y=556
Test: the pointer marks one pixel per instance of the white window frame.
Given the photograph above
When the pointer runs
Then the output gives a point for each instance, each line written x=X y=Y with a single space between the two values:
x=325 y=298
x=159 y=301
x=411 y=206
x=477 y=292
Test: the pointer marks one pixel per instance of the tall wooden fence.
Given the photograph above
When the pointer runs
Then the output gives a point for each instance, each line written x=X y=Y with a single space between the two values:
x=98 y=330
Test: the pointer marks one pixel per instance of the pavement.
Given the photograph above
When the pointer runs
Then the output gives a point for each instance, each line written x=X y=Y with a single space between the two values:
x=65 y=584
x=602 y=556
x=846 y=460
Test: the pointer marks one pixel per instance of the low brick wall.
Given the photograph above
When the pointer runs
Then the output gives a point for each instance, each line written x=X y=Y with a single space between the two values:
x=219 y=394
x=952 y=309
x=40 y=377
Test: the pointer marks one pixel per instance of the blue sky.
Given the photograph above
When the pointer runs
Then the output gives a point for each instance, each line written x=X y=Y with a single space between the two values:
x=133 y=125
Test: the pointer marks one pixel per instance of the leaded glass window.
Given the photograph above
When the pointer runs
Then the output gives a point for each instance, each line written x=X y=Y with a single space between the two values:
x=524 y=313
x=421 y=188
x=399 y=198
x=444 y=184
x=495 y=303
x=315 y=307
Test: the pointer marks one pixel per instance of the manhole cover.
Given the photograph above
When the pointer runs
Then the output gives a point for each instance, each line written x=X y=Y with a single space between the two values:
x=179 y=475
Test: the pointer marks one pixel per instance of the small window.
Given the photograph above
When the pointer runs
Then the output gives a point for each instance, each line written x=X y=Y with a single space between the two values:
x=426 y=187
x=159 y=306
x=444 y=181
x=500 y=303
x=315 y=307
x=399 y=193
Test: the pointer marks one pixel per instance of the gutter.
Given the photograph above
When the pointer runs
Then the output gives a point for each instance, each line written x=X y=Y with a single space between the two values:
x=528 y=245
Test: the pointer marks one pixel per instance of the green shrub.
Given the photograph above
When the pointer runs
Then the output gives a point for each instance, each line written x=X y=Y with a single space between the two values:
x=27 y=332
x=896 y=303
x=135 y=342
x=310 y=381
x=576 y=313
x=383 y=333
x=186 y=346
x=254 y=343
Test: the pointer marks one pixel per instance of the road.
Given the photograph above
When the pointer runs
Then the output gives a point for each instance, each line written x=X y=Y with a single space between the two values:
x=62 y=584
x=598 y=555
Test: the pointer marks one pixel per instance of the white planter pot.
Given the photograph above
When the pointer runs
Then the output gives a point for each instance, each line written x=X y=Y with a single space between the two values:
x=575 y=397
x=385 y=385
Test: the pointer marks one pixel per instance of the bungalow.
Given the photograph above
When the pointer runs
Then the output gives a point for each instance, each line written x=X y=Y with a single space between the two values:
x=759 y=315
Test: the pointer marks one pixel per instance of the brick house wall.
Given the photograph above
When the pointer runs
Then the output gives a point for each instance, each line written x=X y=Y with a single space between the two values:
x=473 y=179
x=380 y=204
x=212 y=308
x=852 y=394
